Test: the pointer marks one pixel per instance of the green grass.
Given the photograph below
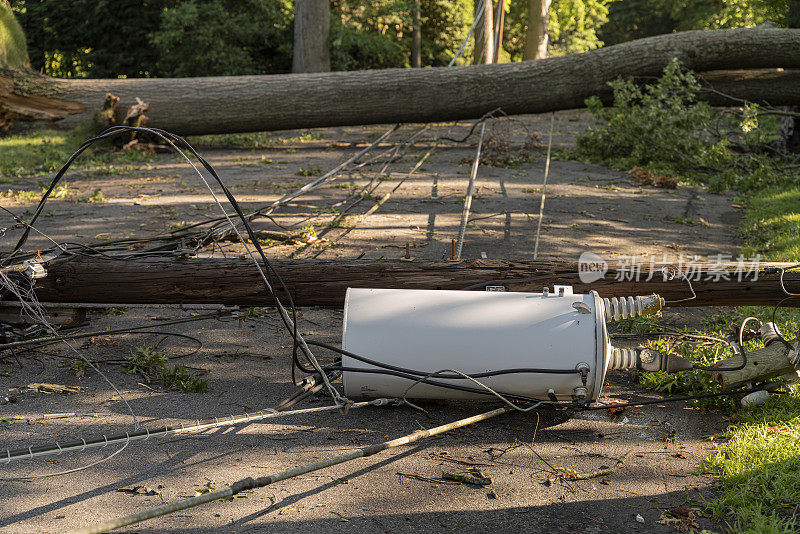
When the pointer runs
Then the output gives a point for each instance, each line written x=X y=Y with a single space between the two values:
x=759 y=469
x=771 y=225
x=43 y=152
x=758 y=466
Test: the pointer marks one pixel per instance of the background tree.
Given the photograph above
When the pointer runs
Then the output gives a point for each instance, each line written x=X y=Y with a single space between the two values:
x=224 y=37
x=484 y=32
x=416 y=35
x=100 y=38
x=312 y=29
x=13 y=49
x=572 y=27
x=178 y=38
x=536 y=31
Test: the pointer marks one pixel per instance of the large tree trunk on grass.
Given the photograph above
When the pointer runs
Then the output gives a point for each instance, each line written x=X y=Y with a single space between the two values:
x=280 y=102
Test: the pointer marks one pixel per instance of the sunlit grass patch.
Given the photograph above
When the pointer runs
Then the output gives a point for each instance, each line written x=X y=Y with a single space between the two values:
x=771 y=225
x=43 y=152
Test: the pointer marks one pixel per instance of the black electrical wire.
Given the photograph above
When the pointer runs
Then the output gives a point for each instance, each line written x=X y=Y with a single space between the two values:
x=436 y=383
x=170 y=138
x=774 y=312
x=270 y=271
x=129 y=330
x=451 y=376
x=740 y=344
x=670 y=399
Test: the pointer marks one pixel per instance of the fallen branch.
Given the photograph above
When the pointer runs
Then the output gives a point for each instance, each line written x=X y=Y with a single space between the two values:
x=571 y=474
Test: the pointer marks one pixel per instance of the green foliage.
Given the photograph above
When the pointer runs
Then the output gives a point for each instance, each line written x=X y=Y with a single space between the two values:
x=151 y=363
x=224 y=37
x=572 y=28
x=658 y=124
x=635 y=19
x=369 y=35
x=95 y=198
x=759 y=465
x=97 y=38
x=180 y=379
x=662 y=127
x=373 y=35
x=716 y=14
x=145 y=361
x=13 y=49
x=310 y=171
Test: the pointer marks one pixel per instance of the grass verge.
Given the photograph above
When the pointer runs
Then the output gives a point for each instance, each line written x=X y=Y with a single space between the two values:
x=758 y=467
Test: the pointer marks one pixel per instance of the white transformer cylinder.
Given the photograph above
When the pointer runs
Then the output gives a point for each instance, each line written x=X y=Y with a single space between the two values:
x=476 y=332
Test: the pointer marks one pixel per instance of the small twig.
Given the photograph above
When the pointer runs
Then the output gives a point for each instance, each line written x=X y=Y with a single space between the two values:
x=573 y=475
x=425 y=479
x=475 y=480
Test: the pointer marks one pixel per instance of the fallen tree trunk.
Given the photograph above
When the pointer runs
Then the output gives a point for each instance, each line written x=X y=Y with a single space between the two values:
x=279 y=102
x=324 y=282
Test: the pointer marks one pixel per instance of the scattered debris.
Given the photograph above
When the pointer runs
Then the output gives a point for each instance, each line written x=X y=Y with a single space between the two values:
x=645 y=177
x=44 y=387
x=424 y=479
x=639 y=518
x=571 y=474
x=476 y=478
x=469 y=461
x=614 y=411
x=141 y=490
x=683 y=519
x=11 y=419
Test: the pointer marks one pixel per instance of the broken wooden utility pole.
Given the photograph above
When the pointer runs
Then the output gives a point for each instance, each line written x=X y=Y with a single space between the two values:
x=754 y=64
x=772 y=361
x=324 y=282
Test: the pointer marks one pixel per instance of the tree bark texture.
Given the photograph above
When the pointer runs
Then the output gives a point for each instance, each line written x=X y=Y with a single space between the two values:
x=312 y=28
x=752 y=64
x=536 y=35
x=484 y=33
x=324 y=282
